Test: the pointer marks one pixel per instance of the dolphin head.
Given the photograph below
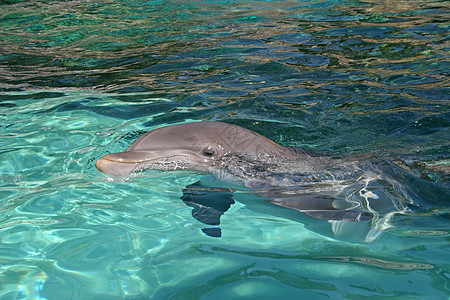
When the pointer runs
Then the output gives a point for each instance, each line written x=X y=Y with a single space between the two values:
x=193 y=146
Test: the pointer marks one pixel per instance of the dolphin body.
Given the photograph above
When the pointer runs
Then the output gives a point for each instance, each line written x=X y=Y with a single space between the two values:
x=340 y=191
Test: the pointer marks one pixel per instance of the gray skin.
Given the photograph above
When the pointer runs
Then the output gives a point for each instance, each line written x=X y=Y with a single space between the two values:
x=207 y=147
x=194 y=146
x=288 y=179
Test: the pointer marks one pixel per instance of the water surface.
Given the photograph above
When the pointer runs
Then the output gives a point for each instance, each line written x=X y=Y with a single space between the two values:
x=81 y=79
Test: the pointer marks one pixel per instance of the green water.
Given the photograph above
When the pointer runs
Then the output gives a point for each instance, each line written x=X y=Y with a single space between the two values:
x=80 y=79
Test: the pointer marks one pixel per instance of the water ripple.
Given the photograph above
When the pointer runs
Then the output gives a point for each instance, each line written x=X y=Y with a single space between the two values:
x=81 y=79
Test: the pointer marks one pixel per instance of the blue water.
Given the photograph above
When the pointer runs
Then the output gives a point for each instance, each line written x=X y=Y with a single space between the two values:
x=80 y=79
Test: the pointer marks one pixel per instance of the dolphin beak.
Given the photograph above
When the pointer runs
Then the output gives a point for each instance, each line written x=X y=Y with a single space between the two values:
x=121 y=163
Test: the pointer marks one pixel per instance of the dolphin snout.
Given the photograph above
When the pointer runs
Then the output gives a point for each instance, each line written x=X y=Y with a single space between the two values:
x=121 y=163
x=113 y=167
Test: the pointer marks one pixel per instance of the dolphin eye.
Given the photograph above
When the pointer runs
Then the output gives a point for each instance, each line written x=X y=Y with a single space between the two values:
x=208 y=151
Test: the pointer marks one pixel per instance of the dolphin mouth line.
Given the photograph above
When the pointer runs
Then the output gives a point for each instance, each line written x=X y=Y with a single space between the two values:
x=122 y=162
x=143 y=161
x=110 y=164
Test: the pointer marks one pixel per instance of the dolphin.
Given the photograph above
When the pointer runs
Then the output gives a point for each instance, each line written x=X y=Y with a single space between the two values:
x=195 y=146
x=285 y=177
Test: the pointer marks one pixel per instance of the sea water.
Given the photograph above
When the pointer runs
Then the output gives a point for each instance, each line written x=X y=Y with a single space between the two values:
x=80 y=79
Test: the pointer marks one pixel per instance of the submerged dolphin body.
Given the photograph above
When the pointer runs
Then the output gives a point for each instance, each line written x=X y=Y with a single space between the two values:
x=288 y=178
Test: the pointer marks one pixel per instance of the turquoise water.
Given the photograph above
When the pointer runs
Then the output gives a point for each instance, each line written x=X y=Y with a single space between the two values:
x=80 y=79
